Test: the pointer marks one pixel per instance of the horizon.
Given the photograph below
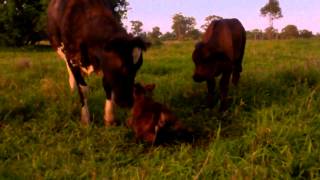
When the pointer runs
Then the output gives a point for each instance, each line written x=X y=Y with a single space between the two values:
x=160 y=13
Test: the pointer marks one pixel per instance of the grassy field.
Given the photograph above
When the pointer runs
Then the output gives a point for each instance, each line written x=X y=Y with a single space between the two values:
x=271 y=131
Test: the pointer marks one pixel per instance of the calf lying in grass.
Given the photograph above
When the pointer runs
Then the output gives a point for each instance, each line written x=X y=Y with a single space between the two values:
x=153 y=122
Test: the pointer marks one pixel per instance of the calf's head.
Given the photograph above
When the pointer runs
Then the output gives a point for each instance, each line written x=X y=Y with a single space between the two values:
x=120 y=60
x=142 y=91
x=206 y=62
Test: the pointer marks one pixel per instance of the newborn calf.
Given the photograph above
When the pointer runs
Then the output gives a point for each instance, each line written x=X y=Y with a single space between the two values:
x=150 y=119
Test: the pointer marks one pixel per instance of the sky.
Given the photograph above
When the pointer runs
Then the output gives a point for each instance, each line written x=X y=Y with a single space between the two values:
x=305 y=14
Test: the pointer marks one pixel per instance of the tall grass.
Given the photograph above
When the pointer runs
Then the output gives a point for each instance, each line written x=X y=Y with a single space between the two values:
x=271 y=130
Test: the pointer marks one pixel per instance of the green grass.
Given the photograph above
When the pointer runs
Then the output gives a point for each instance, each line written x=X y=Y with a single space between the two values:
x=271 y=131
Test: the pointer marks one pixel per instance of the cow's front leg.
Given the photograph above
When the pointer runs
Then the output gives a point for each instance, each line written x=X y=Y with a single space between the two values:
x=85 y=115
x=108 y=117
x=224 y=87
x=211 y=84
x=83 y=93
x=109 y=113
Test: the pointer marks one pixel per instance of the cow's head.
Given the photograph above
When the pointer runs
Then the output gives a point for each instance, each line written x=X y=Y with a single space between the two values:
x=206 y=62
x=120 y=61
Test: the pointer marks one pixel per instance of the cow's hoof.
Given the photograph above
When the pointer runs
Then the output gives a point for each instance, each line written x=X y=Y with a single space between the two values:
x=110 y=123
x=212 y=101
x=225 y=104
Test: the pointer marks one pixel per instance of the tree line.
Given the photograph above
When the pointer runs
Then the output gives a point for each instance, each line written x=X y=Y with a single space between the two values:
x=288 y=32
x=23 y=22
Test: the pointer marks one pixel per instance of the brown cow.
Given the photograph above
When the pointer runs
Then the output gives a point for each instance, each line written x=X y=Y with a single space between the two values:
x=220 y=53
x=151 y=119
x=88 y=36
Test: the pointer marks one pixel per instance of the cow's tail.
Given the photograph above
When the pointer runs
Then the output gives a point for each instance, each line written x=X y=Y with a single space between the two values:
x=238 y=62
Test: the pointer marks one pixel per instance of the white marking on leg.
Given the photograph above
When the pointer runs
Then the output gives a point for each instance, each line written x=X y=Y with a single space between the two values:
x=61 y=53
x=72 y=81
x=85 y=114
x=88 y=70
x=108 y=113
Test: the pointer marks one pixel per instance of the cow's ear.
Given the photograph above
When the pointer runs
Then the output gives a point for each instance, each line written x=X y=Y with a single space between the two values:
x=138 y=45
x=136 y=54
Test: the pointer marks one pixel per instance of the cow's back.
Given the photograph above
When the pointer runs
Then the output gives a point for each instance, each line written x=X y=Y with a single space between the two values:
x=226 y=36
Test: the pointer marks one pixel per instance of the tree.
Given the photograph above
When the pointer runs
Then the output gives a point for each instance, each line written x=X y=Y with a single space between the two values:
x=136 y=27
x=194 y=34
x=154 y=36
x=119 y=7
x=168 y=36
x=290 y=31
x=271 y=33
x=155 y=33
x=305 y=33
x=18 y=21
x=208 y=20
x=272 y=10
x=182 y=25
x=255 y=34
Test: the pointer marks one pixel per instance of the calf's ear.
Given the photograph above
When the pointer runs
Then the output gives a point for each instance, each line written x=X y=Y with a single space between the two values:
x=149 y=87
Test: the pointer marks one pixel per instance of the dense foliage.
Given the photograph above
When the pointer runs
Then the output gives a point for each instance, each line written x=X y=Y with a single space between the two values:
x=273 y=10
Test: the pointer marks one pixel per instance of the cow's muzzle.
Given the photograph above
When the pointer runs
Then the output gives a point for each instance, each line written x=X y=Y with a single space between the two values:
x=198 y=78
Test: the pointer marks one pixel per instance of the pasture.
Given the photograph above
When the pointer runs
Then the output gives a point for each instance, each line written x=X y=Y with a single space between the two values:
x=271 y=130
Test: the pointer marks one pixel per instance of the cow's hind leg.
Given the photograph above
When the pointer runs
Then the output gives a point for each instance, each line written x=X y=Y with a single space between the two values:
x=237 y=69
x=212 y=100
x=83 y=93
x=224 y=88
x=75 y=78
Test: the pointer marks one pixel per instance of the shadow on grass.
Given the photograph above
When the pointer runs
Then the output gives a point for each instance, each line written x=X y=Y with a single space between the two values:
x=252 y=95
x=22 y=113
